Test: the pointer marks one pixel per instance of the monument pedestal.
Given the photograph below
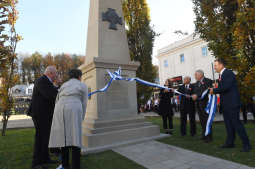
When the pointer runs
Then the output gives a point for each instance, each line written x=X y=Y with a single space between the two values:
x=111 y=118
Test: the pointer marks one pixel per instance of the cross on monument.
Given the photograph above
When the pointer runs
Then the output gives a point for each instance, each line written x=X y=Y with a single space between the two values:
x=112 y=17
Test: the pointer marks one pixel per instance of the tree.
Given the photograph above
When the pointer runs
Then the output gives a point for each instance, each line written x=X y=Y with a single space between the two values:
x=26 y=70
x=141 y=38
x=48 y=60
x=32 y=67
x=228 y=27
x=77 y=61
x=37 y=65
x=63 y=63
x=8 y=57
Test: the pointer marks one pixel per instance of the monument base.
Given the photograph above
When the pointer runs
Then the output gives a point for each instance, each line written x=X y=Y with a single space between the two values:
x=99 y=149
x=118 y=133
x=111 y=118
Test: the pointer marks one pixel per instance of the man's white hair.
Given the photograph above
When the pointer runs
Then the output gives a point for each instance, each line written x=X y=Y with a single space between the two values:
x=200 y=71
x=50 y=69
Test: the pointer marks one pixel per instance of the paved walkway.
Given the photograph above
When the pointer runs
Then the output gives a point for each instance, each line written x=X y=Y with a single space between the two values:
x=217 y=118
x=24 y=121
x=18 y=121
x=156 y=155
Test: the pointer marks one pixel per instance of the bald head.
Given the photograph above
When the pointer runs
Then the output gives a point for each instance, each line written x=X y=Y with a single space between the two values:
x=51 y=72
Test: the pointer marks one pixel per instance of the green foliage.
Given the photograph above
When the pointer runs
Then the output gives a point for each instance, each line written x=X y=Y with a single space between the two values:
x=229 y=28
x=141 y=38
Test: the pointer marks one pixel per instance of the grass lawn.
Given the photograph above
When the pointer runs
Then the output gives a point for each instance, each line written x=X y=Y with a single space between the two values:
x=194 y=144
x=16 y=153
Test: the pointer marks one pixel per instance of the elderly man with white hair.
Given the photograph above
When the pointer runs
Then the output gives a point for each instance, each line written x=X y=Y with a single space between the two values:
x=201 y=85
x=41 y=111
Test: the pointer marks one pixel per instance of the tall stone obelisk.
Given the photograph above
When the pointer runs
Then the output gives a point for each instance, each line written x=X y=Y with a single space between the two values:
x=111 y=118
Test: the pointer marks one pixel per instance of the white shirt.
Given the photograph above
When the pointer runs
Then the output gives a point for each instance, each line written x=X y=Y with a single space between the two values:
x=221 y=72
x=49 y=79
x=187 y=86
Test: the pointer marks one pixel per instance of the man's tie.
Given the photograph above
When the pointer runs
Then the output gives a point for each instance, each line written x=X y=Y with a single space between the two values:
x=219 y=77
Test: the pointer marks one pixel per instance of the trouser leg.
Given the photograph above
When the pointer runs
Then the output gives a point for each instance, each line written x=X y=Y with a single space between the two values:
x=65 y=157
x=37 y=145
x=164 y=119
x=183 y=122
x=76 y=158
x=238 y=126
x=192 y=120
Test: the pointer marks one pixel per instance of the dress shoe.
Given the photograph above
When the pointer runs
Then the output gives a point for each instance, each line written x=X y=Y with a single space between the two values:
x=227 y=146
x=246 y=149
x=202 y=138
x=36 y=167
x=52 y=162
x=40 y=167
x=170 y=132
x=208 y=140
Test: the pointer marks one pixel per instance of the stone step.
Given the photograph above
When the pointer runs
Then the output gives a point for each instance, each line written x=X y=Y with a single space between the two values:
x=89 y=123
x=118 y=136
x=115 y=128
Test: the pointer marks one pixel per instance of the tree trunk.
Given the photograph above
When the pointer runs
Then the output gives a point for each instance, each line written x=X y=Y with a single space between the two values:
x=5 y=121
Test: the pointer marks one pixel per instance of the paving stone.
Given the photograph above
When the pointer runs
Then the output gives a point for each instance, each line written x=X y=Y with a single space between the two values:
x=156 y=155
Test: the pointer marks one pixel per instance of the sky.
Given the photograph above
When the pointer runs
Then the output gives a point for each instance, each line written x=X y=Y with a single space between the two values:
x=60 y=26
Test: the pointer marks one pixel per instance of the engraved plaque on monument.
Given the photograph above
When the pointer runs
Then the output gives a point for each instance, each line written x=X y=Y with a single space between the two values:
x=111 y=117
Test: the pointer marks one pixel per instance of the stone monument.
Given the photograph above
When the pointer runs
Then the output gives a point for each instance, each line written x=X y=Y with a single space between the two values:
x=111 y=118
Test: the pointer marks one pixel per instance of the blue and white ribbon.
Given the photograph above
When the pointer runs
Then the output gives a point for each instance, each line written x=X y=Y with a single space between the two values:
x=210 y=109
x=117 y=76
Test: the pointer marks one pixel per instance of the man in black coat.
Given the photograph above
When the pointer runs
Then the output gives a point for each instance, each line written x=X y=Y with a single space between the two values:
x=187 y=107
x=200 y=86
x=230 y=105
x=42 y=108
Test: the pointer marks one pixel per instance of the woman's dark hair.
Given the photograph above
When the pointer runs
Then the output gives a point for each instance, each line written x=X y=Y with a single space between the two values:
x=75 y=73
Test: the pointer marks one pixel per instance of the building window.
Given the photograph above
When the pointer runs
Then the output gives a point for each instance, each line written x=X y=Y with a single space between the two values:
x=204 y=51
x=182 y=58
x=165 y=63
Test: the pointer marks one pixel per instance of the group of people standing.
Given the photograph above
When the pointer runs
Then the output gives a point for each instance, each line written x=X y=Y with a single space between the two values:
x=192 y=101
x=57 y=113
x=188 y=105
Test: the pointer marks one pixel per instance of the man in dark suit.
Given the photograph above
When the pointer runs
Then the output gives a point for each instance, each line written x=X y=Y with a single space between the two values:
x=202 y=85
x=187 y=107
x=230 y=105
x=42 y=108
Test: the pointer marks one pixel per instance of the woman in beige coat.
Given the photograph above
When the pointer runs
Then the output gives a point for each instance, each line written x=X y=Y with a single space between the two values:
x=66 y=129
